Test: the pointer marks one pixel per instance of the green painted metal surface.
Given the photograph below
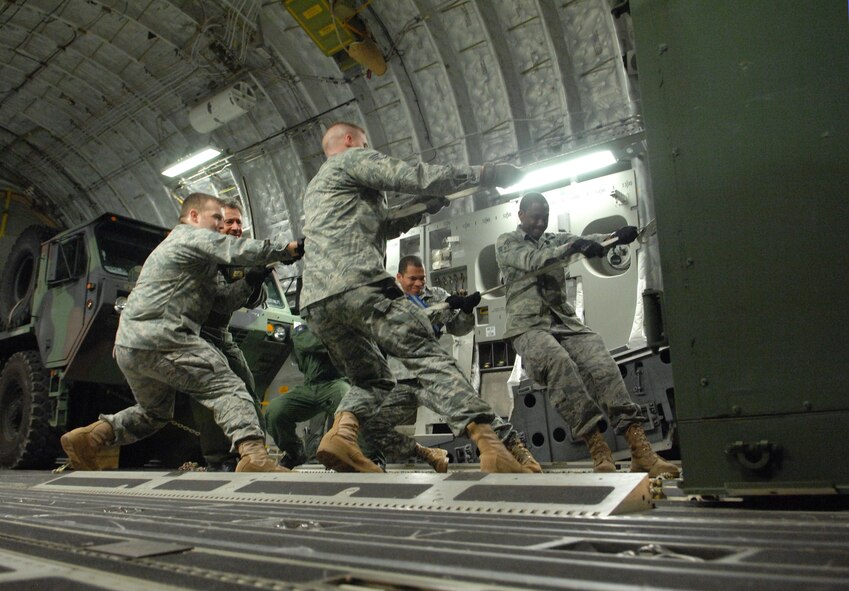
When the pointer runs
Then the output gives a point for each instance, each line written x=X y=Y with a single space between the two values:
x=746 y=107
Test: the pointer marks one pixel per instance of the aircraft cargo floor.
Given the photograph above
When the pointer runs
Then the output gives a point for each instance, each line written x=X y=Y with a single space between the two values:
x=404 y=530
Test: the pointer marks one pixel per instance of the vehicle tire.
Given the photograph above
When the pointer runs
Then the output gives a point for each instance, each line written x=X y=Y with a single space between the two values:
x=26 y=438
x=17 y=283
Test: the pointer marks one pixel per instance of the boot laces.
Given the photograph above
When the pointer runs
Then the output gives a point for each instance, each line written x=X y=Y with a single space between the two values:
x=520 y=452
x=641 y=443
x=598 y=448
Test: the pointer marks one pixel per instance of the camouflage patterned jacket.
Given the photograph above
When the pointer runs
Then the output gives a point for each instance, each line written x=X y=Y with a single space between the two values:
x=347 y=224
x=229 y=297
x=531 y=302
x=455 y=322
x=177 y=285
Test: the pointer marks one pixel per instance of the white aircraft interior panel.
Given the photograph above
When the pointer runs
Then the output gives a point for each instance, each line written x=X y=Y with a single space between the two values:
x=608 y=285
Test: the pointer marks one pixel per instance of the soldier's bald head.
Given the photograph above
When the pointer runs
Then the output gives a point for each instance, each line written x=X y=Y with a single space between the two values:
x=342 y=135
x=196 y=201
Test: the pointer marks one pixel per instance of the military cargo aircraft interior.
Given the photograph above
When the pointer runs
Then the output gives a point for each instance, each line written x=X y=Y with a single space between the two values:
x=424 y=294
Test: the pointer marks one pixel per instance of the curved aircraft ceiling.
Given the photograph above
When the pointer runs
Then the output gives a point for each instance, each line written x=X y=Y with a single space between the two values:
x=96 y=95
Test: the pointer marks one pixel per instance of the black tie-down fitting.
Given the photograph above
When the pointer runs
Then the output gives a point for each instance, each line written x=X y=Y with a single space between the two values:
x=755 y=456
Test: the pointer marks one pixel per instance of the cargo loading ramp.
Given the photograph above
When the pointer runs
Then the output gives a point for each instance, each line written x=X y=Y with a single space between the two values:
x=58 y=535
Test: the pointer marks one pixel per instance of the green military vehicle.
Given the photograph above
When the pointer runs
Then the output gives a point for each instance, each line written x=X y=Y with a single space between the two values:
x=60 y=300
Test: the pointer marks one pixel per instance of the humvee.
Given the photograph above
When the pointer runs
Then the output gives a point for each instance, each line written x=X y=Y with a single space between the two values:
x=60 y=299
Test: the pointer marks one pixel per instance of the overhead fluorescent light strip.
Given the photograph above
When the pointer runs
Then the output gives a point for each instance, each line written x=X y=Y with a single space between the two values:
x=191 y=162
x=562 y=171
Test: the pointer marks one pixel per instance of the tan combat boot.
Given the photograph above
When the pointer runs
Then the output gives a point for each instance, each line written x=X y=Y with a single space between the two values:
x=523 y=455
x=643 y=458
x=494 y=456
x=338 y=449
x=84 y=443
x=254 y=457
x=600 y=452
x=438 y=458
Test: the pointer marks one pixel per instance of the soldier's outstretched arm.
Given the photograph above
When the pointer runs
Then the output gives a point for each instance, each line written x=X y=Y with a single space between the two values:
x=385 y=173
x=228 y=250
x=511 y=251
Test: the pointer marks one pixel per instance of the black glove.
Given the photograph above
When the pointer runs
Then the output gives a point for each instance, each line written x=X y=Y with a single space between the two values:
x=588 y=248
x=500 y=175
x=299 y=251
x=470 y=301
x=626 y=234
x=255 y=276
x=455 y=302
x=434 y=204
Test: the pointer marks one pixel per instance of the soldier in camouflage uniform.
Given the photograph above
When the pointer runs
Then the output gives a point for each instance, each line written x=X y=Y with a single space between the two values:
x=356 y=309
x=400 y=406
x=557 y=349
x=237 y=288
x=158 y=346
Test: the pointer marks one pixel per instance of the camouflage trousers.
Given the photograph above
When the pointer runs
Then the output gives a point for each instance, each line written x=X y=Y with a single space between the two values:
x=400 y=408
x=297 y=405
x=583 y=381
x=214 y=444
x=356 y=325
x=201 y=372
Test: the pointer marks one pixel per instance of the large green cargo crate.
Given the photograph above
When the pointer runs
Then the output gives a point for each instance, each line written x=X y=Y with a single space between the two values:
x=746 y=109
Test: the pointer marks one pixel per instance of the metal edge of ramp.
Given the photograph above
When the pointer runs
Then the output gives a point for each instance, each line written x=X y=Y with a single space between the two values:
x=574 y=495
x=19 y=571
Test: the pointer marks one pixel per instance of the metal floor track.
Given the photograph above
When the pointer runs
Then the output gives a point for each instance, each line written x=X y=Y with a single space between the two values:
x=410 y=531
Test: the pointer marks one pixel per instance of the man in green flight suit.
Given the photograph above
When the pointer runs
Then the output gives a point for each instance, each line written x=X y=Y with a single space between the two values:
x=322 y=390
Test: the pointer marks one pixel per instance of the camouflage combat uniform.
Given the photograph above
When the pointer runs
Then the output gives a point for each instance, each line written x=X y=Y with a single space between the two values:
x=322 y=391
x=158 y=347
x=401 y=405
x=557 y=349
x=230 y=296
x=353 y=304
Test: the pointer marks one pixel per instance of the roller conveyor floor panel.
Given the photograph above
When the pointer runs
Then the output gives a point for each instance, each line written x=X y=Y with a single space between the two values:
x=404 y=530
